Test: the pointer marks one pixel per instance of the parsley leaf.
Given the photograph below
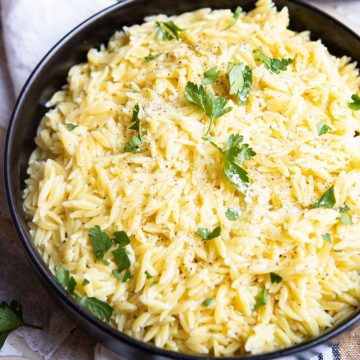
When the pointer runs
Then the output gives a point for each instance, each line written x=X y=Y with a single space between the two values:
x=232 y=214
x=149 y=58
x=355 y=104
x=327 y=238
x=167 y=30
x=206 y=235
x=235 y=154
x=133 y=145
x=121 y=238
x=214 y=106
x=65 y=280
x=322 y=128
x=210 y=76
x=236 y=15
x=240 y=78
x=71 y=127
x=345 y=217
x=100 y=309
x=127 y=276
x=122 y=258
x=85 y=282
x=148 y=275
x=208 y=302
x=275 y=278
x=272 y=64
x=327 y=200
x=100 y=242
x=10 y=319
x=343 y=208
x=135 y=121
x=260 y=299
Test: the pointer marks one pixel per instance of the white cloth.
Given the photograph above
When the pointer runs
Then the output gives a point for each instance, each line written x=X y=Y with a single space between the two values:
x=30 y=28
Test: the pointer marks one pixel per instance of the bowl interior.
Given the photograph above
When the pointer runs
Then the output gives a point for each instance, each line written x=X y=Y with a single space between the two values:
x=50 y=75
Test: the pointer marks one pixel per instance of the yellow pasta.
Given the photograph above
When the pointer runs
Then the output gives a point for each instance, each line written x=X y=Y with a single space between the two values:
x=81 y=177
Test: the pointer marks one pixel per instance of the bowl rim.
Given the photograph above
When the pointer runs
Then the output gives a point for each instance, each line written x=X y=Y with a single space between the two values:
x=45 y=274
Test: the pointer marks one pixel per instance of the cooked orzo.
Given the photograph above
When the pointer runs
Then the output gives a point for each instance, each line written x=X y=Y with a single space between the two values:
x=197 y=183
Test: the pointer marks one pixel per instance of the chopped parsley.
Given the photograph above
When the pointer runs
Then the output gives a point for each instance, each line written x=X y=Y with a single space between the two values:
x=236 y=15
x=148 y=275
x=232 y=214
x=100 y=242
x=327 y=238
x=210 y=76
x=65 y=280
x=322 y=128
x=235 y=154
x=121 y=238
x=260 y=299
x=167 y=30
x=208 y=302
x=327 y=200
x=71 y=127
x=150 y=58
x=100 y=309
x=240 y=78
x=133 y=145
x=275 y=278
x=213 y=106
x=272 y=64
x=355 y=104
x=85 y=282
x=121 y=258
x=345 y=217
x=206 y=235
x=11 y=318
x=154 y=283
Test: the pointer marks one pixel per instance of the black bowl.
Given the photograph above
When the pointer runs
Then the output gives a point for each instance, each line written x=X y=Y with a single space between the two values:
x=51 y=74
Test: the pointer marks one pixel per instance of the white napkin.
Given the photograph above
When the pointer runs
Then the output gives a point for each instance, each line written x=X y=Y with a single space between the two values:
x=30 y=28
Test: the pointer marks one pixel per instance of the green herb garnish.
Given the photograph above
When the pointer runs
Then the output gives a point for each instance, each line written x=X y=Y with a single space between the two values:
x=327 y=238
x=240 y=78
x=355 y=104
x=206 y=235
x=327 y=200
x=71 y=127
x=100 y=242
x=235 y=154
x=345 y=217
x=232 y=214
x=11 y=318
x=167 y=30
x=208 y=302
x=148 y=275
x=65 y=280
x=275 y=278
x=85 y=282
x=274 y=65
x=210 y=76
x=260 y=299
x=133 y=145
x=149 y=58
x=122 y=258
x=236 y=15
x=322 y=128
x=100 y=309
x=213 y=106
x=121 y=238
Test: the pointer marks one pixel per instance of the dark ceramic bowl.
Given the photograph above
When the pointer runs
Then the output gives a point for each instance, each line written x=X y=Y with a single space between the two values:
x=50 y=75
